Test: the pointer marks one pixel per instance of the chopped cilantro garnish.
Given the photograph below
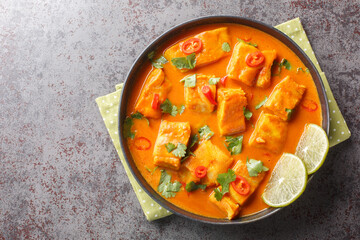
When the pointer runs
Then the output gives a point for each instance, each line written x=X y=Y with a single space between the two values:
x=249 y=43
x=261 y=103
x=187 y=62
x=138 y=115
x=224 y=179
x=218 y=194
x=151 y=55
x=169 y=147
x=167 y=107
x=151 y=171
x=128 y=123
x=226 y=47
x=255 y=167
x=253 y=44
x=193 y=140
x=284 y=63
x=302 y=70
x=158 y=63
x=247 y=113
x=235 y=144
x=186 y=157
x=290 y=113
x=191 y=186
x=205 y=132
x=165 y=187
x=180 y=150
x=182 y=109
x=189 y=81
x=214 y=81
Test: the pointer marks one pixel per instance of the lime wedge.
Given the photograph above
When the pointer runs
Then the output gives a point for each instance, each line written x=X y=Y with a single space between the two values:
x=287 y=181
x=313 y=147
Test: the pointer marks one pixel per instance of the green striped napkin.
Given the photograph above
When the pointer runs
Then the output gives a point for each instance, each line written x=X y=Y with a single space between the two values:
x=109 y=105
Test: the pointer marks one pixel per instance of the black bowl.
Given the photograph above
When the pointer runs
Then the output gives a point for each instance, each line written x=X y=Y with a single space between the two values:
x=136 y=68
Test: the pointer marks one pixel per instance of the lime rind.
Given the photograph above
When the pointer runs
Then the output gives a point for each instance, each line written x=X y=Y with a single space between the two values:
x=313 y=147
x=287 y=182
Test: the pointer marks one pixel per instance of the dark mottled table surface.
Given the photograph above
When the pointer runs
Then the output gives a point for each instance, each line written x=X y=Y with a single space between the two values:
x=60 y=177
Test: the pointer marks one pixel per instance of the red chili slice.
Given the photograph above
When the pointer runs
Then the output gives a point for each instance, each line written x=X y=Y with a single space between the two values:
x=142 y=143
x=207 y=92
x=309 y=105
x=200 y=171
x=155 y=102
x=223 y=80
x=193 y=45
x=241 y=186
x=255 y=59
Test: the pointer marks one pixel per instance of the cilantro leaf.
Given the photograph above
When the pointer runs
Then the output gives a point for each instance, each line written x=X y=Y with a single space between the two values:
x=189 y=81
x=261 y=103
x=187 y=62
x=290 y=113
x=151 y=171
x=302 y=70
x=249 y=43
x=169 y=147
x=128 y=123
x=194 y=139
x=165 y=187
x=151 y=55
x=191 y=186
x=235 y=144
x=138 y=115
x=218 y=194
x=255 y=167
x=186 y=157
x=226 y=47
x=224 y=179
x=205 y=132
x=158 y=63
x=247 y=113
x=275 y=66
x=182 y=109
x=180 y=150
x=214 y=81
x=285 y=63
x=167 y=107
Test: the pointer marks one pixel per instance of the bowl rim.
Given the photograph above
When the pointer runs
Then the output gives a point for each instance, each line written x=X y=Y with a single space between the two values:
x=163 y=38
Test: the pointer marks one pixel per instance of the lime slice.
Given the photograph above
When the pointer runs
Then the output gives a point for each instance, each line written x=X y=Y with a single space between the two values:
x=287 y=181
x=313 y=147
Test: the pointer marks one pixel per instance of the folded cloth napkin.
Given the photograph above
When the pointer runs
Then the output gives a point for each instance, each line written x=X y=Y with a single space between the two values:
x=109 y=105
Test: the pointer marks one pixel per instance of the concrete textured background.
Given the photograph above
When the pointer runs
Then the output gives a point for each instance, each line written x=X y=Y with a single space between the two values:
x=60 y=177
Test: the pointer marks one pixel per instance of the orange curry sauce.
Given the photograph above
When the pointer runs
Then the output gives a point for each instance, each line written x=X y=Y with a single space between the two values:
x=198 y=201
